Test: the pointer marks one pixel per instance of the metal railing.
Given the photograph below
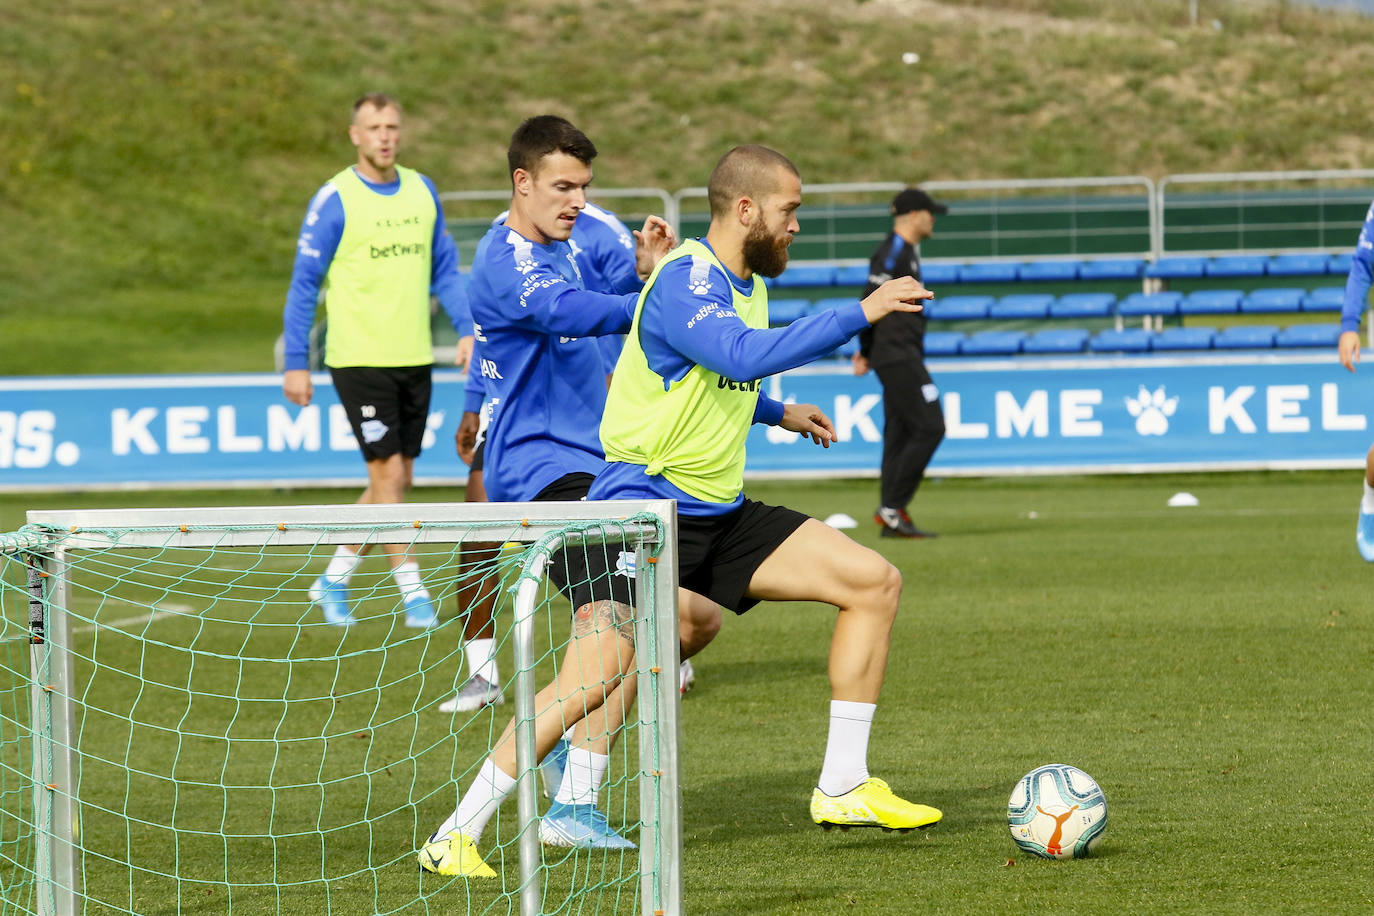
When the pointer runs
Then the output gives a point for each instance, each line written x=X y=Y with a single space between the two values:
x=989 y=220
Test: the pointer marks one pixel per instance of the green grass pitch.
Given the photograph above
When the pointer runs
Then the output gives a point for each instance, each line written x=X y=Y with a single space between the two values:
x=1211 y=667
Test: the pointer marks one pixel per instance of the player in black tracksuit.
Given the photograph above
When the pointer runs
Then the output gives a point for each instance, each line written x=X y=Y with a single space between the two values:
x=914 y=424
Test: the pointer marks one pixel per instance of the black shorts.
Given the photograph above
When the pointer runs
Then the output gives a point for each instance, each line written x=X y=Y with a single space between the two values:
x=570 y=567
x=717 y=557
x=479 y=457
x=386 y=406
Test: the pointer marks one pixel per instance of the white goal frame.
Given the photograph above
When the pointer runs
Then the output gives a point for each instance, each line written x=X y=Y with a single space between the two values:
x=543 y=525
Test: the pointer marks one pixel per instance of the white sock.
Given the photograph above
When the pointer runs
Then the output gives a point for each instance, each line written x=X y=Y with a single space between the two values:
x=582 y=777
x=480 y=661
x=407 y=577
x=341 y=566
x=1367 y=504
x=846 y=750
x=479 y=803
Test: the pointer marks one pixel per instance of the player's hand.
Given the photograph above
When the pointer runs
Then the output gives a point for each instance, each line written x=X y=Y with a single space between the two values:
x=297 y=387
x=462 y=354
x=860 y=364
x=810 y=421
x=1349 y=348
x=465 y=439
x=652 y=242
x=902 y=294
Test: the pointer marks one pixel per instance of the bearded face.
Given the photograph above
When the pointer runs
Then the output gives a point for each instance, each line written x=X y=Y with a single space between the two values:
x=765 y=250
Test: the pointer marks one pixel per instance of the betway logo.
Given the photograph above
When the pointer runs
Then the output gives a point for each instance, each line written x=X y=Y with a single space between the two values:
x=398 y=250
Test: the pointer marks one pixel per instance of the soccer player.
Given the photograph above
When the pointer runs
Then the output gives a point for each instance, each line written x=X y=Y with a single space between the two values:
x=682 y=398
x=375 y=235
x=544 y=380
x=605 y=251
x=1357 y=284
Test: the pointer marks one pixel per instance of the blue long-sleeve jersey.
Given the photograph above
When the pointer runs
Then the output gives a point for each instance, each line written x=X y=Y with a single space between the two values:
x=541 y=367
x=605 y=252
x=686 y=323
x=1357 y=282
x=315 y=247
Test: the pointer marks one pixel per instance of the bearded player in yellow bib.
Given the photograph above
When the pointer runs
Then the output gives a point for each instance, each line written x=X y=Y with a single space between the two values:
x=685 y=391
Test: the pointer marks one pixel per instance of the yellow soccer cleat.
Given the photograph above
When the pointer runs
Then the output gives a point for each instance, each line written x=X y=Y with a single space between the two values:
x=454 y=855
x=871 y=804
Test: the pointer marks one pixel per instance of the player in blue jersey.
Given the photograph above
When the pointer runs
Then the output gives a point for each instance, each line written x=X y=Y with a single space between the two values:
x=605 y=251
x=544 y=380
x=601 y=651
x=683 y=396
x=1357 y=284
x=375 y=236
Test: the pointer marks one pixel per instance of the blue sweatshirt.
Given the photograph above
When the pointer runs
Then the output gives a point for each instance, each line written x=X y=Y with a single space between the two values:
x=1358 y=280
x=319 y=239
x=537 y=355
x=675 y=337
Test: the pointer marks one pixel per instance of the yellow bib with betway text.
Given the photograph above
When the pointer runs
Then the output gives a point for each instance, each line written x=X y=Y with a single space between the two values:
x=378 y=282
x=691 y=431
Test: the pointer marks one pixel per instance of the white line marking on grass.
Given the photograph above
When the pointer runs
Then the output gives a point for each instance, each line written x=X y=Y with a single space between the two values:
x=158 y=612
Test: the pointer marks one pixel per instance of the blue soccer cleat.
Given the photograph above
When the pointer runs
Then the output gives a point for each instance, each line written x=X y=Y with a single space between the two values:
x=551 y=767
x=420 y=613
x=1364 y=536
x=580 y=827
x=332 y=597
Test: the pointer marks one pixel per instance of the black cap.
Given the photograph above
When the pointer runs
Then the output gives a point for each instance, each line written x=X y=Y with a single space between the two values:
x=910 y=199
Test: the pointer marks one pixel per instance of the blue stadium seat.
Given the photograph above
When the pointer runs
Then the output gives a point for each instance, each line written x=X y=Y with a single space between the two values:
x=1056 y=340
x=1177 y=268
x=1308 y=335
x=993 y=343
x=943 y=343
x=1022 y=305
x=958 y=308
x=1246 y=337
x=989 y=272
x=786 y=311
x=1338 y=264
x=1138 y=305
x=1297 y=265
x=1210 y=302
x=1241 y=265
x=1277 y=299
x=934 y=274
x=807 y=275
x=1130 y=340
x=1083 y=305
x=851 y=275
x=1184 y=339
x=1326 y=299
x=1112 y=269
x=1058 y=271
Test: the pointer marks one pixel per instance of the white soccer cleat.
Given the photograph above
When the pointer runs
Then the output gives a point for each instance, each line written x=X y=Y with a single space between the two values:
x=686 y=676
x=475 y=693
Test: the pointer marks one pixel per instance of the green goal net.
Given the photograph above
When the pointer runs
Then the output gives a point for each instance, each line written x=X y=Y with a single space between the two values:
x=181 y=732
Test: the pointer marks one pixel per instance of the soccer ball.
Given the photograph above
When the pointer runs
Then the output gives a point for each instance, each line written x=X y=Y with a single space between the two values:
x=1057 y=811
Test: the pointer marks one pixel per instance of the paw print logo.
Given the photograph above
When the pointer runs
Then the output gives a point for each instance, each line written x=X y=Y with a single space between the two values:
x=525 y=265
x=699 y=285
x=1152 y=410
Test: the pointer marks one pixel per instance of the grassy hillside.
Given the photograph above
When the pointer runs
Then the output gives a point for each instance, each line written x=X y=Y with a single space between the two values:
x=162 y=154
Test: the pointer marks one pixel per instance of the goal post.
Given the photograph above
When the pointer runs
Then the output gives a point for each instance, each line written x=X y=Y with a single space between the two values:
x=198 y=734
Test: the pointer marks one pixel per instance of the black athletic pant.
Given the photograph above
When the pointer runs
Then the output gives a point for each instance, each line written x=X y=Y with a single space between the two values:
x=914 y=424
